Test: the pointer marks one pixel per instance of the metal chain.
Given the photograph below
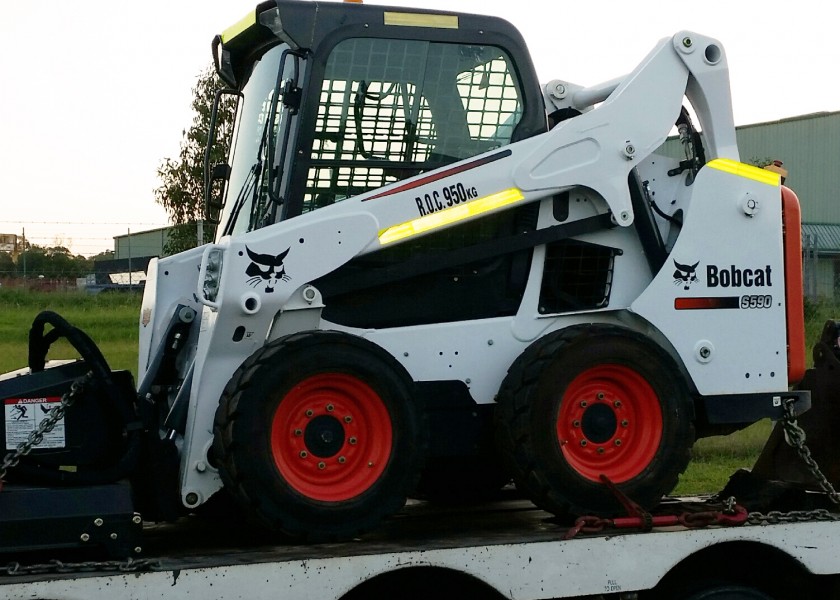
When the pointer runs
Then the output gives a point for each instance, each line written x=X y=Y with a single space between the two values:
x=794 y=516
x=129 y=565
x=795 y=437
x=12 y=459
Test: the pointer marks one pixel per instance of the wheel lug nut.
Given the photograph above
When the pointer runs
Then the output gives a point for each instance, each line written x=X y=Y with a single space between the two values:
x=584 y=403
x=600 y=450
x=309 y=413
x=298 y=432
x=322 y=465
x=352 y=441
x=625 y=423
x=330 y=408
x=341 y=460
x=618 y=442
x=617 y=403
x=583 y=443
x=303 y=454
x=575 y=423
x=348 y=419
x=600 y=395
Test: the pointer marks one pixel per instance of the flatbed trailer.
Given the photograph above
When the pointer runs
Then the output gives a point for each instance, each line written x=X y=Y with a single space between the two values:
x=433 y=272
x=503 y=549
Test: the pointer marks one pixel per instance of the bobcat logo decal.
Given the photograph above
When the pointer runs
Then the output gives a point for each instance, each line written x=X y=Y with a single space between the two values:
x=685 y=275
x=266 y=268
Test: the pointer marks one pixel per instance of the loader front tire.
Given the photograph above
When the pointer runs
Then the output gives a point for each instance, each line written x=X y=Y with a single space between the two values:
x=590 y=401
x=318 y=436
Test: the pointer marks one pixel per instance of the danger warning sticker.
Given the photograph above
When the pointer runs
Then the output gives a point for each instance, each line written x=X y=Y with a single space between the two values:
x=24 y=415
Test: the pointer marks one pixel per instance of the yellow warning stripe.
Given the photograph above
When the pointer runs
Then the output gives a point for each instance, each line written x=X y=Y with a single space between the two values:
x=448 y=216
x=243 y=24
x=733 y=167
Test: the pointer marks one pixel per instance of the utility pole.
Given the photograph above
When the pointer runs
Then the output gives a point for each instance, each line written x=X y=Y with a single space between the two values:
x=24 y=255
x=129 y=258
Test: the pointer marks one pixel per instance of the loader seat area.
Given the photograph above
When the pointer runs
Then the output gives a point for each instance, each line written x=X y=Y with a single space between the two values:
x=389 y=109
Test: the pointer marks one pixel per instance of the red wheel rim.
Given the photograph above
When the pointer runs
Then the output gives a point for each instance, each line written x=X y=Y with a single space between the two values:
x=610 y=423
x=331 y=437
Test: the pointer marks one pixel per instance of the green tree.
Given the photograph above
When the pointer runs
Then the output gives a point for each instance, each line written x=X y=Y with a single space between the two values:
x=33 y=261
x=760 y=162
x=104 y=255
x=56 y=262
x=7 y=265
x=181 y=191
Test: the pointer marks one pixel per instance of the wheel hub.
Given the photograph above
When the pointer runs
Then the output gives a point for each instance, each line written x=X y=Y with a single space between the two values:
x=599 y=423
x=324 y=436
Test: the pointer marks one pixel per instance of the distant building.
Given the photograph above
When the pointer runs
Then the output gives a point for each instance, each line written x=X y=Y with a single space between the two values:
x=11 y=243
x=151 y=242
x=141 y=243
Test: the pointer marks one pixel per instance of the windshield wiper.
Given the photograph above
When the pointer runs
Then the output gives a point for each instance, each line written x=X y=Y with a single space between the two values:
x=248 y=187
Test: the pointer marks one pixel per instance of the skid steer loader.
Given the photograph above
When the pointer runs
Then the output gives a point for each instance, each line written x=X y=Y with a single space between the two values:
x=433 y=275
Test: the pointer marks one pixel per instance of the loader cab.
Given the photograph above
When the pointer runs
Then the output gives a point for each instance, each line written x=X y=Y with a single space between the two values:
x=335 y=100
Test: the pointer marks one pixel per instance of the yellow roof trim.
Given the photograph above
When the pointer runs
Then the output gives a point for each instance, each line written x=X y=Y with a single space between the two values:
x=402 y=19
x=243 y=24
x=733 y=167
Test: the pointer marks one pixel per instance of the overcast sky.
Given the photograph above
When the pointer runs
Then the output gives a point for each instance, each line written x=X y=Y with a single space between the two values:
x=95 y=94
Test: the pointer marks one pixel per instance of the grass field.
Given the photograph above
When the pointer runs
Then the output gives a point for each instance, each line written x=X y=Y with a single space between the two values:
x=111 y=320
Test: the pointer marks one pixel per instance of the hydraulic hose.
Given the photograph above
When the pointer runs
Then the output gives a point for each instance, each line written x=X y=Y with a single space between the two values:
x=39 y=345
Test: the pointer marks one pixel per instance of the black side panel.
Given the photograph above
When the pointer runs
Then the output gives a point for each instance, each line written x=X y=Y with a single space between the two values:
x=487 y=288
x=458 y=427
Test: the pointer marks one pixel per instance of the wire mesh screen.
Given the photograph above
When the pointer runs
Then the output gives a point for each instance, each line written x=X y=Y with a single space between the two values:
x=577 y=276
x=390 y=109
x=490 y=100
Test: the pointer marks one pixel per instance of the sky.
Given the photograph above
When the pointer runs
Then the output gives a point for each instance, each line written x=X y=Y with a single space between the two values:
x=96 y=94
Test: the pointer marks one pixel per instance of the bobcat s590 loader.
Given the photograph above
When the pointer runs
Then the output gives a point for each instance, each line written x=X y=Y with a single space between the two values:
x=432 y=275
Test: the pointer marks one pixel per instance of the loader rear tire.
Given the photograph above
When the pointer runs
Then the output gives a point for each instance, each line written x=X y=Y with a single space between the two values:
x=317 y=435
x=590 y=401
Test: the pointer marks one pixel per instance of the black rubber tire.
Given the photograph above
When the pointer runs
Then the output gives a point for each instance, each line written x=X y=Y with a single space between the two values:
x=533 y=413
x=309 y=476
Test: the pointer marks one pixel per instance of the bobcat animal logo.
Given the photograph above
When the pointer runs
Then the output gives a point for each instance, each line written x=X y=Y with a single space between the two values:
x=266 y=268
x=685 y=275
